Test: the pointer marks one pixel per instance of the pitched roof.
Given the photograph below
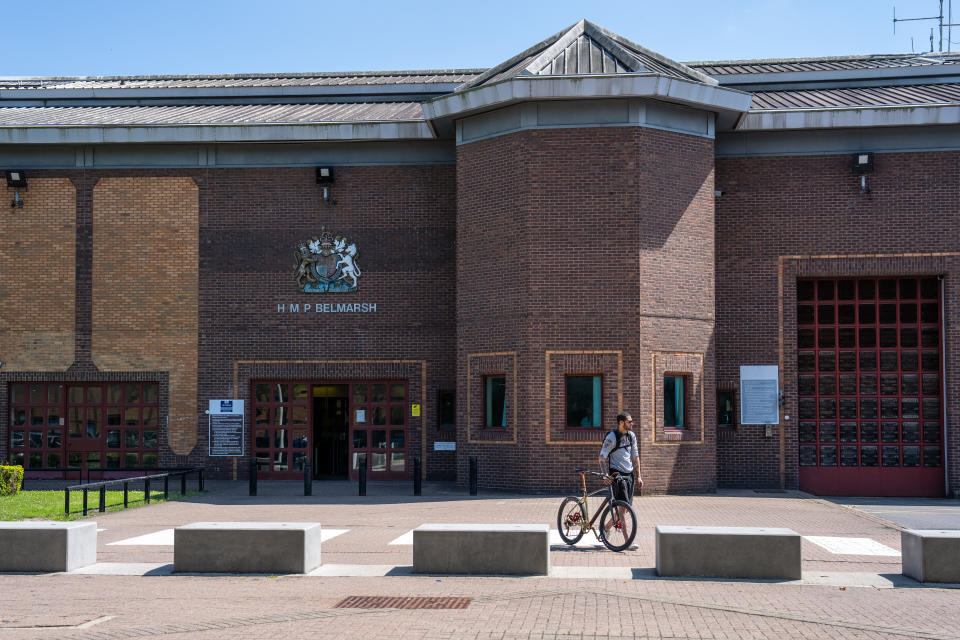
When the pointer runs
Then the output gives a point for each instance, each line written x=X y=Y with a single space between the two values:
x=832 y=63
x=587 y=48
x=256 y=80
x=900 y=95
x=209 y=114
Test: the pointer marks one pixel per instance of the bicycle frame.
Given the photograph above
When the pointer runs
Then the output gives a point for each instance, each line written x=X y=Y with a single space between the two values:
x=587 y=523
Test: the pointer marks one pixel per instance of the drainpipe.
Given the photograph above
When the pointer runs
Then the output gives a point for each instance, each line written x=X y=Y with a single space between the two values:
x=943 y=380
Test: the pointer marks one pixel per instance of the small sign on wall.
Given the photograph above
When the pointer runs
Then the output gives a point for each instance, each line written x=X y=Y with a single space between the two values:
x=444 y=446
x=225 y=427
x=759 y=394
x=415 y=410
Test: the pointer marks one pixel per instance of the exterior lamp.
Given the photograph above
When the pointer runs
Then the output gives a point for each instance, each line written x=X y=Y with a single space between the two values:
x=325 y=177
x=16 y=180
x=863 y=164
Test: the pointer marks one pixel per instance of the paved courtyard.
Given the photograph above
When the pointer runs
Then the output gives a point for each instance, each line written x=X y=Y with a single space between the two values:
x=852 y=587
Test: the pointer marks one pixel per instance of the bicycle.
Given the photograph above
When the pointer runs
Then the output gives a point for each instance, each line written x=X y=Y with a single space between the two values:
x=618 y=520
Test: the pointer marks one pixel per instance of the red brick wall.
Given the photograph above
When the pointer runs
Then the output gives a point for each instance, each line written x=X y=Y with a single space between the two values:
x=803 y=216
x=402 y=221
x=583 y=251
x=250 y=220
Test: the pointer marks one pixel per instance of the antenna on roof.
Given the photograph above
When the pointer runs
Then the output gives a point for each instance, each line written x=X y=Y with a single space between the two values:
x=940 y=22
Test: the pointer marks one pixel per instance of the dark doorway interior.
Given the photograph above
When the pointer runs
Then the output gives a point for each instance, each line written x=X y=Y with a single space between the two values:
x=330 y=455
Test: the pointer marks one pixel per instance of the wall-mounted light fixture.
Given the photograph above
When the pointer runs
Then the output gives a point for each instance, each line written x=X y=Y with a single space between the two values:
x=16 y=180
x=862 y=165
x=325 y=177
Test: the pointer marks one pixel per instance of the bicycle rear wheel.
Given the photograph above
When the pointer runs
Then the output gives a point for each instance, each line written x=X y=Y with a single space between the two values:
x=618 y=526
x=570 y=519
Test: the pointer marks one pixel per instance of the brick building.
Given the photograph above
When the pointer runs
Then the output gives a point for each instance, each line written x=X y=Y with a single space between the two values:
x=489 y=263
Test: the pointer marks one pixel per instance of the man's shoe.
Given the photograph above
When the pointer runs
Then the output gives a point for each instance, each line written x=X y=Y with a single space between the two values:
x=632 y=547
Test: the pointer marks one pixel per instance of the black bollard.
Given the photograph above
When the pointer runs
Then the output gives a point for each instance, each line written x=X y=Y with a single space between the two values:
x=416 y=476
x=473 y=475
x=126 y=494
x=146 y=490
x=84 y=502
x=253 y=476
x=66 y=502
x=363 y=476
x=307 y=478
x=103 y=498
x=200 y=480
x=183 y=483
x=166 y=486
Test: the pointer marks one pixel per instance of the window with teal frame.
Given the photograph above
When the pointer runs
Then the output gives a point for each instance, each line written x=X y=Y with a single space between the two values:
x=673 y=402
x=583 y=401
x=495 y=401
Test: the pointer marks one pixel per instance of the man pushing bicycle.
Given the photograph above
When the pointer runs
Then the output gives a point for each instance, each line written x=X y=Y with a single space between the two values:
x=619 y=457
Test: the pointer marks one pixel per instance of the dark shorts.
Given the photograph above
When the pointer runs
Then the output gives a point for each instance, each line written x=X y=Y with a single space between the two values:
x=623 y=484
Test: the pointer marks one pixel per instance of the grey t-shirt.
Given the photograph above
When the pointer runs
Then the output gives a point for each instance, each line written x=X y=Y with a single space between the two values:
x=622 y=458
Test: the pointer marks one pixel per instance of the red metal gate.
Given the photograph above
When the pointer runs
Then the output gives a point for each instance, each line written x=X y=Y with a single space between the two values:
x=869 y=380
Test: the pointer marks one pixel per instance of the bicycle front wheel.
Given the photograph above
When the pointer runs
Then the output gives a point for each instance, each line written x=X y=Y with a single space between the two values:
x=570 y=520
x=618 y=526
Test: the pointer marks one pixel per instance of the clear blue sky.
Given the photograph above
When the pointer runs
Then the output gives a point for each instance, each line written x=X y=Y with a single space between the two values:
x=134 y=37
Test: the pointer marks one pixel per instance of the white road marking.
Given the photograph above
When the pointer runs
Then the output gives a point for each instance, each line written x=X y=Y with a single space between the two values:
x=406 y=538
x=126 y=569
x=852 y=546
x=587 y=541
x=359 y=570
x=164 y=537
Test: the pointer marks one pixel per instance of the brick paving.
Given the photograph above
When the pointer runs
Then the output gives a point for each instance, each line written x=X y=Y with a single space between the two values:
x=190 y=606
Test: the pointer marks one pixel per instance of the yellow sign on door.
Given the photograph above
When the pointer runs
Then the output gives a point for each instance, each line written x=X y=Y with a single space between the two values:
x=415 y=410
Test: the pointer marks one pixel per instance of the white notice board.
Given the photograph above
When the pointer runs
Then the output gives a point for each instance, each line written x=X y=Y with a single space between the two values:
x=225 y=429
x=759 y=394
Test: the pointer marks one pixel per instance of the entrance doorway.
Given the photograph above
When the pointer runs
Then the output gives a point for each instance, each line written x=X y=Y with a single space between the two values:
x=337 y=424
x=330 y=408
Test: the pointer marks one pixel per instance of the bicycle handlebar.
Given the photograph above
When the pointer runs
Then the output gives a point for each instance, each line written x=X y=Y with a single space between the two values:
x=592 y=472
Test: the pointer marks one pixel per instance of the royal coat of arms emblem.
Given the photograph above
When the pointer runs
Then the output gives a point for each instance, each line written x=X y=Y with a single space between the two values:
x=326 y=264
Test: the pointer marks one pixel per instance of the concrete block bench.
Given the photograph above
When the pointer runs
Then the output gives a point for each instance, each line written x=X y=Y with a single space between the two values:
x=246 y=547
x=471 y=549
x=728 y=552
x=930 y=555
x=47 y=546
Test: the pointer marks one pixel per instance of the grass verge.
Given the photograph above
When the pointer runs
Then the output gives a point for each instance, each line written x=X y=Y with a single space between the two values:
x=49 y=504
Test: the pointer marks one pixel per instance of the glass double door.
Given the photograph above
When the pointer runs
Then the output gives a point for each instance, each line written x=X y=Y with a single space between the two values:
x=337 y=425
x=378 y=430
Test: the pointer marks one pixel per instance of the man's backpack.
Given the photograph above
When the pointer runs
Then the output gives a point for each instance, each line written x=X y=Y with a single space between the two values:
x=621 y=443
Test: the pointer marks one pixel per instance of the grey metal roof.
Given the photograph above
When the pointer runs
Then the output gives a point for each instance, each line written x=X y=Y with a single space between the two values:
x=835 y=63
x=210 y=114
x=901 y=95
x=586 y=48
x=243 y=80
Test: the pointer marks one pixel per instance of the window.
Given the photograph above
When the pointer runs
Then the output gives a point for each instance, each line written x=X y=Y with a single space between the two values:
x=448 y=409
x=583 y=401
x=673 y=401
x=724 y=408
x=112 y=424
x=495 y=401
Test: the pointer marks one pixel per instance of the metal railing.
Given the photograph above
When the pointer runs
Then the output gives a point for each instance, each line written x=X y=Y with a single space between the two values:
x=255 y=464
x=146 y=480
